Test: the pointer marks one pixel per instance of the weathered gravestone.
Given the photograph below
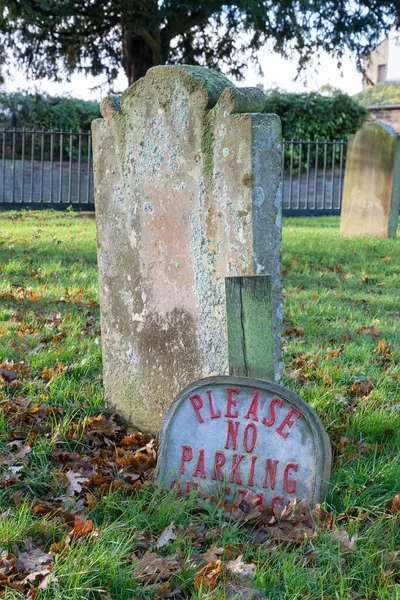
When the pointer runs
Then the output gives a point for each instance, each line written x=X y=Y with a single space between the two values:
x=371 y=193
x=246 y=435
x=187 y=174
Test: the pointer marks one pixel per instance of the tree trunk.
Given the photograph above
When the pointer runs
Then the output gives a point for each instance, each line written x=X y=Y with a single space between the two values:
x=137 y=57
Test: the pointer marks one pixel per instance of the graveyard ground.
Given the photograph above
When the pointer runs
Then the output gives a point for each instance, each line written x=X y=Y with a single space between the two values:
x=78 y=518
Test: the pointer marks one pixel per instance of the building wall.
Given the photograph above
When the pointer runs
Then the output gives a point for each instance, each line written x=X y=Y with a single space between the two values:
x=390 y=116
x=371 y=64
x=393 y=72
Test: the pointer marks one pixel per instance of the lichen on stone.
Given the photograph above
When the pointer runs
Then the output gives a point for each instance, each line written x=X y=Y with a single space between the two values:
x=207 y=146
x=247 y=180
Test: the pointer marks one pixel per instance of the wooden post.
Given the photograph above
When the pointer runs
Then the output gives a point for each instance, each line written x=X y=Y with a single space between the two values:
x=250 y=327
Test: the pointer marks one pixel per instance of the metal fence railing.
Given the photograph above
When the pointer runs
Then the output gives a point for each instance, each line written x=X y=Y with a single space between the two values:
x=53 y=169
x=313 y=176
x=41 y=168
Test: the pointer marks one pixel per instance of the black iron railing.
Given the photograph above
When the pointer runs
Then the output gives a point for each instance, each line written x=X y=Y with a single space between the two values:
x=313 y=176
x=46 y=168
x=53 y=169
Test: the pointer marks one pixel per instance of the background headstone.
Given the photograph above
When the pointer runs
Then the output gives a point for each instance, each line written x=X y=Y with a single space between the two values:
x=371 y=193
x=245 y=435
x=187 y=174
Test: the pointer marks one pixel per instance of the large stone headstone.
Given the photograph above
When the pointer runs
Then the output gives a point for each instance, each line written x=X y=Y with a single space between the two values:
x=245 y=435
x=371 y=193
x=187 y=192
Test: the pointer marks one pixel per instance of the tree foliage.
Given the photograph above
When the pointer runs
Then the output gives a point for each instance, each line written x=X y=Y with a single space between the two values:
x=41 y=111
x=57 y=37
x=315 y=116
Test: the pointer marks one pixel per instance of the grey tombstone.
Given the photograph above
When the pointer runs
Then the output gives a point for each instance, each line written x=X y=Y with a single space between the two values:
x=371 y=193
x=246 y=435
x=187 y=176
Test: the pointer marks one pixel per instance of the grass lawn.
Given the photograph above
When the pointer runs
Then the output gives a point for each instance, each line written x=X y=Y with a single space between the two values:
x=77 y=516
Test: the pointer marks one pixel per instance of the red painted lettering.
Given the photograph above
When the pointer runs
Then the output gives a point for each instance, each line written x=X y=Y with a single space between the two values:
x=270 y=472
x=175 y=485
x=232 y=433
x=287 y=421
x=253 y=460
x=187 y=455
x=191 y=485
x=200 y=465
x=213 y=414
x=235 y=476
x=197 y=404
x=246 y=446
x=276 y=499
x=219 y=461
x=253 y=408
x=286 y=482
x=271 y=421
x=231 y=402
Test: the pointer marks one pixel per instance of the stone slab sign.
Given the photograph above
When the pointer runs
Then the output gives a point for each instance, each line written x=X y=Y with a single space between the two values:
x=187 y=183
x=246 y=435
x=371 y=193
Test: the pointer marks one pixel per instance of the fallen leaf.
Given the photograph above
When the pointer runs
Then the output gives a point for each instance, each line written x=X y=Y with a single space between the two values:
x=209 y=575
x=34 y=560
x=235 y=591
x=382 y=348
x=214 y=553
x=374 y=331
x=107 y=426
x=332 y=353
x=167 y=535
x=153 y=567
x=362 y=388
x=81 y=528
x=347 y=543
x=75 y=482
x=7 y=562
x=393 y=505
x=240 y=569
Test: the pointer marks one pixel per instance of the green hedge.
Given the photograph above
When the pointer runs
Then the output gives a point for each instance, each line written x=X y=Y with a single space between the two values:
x=315 y=116
x=41 y=111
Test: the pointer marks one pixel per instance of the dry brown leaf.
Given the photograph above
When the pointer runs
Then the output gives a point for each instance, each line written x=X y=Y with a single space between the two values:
x=81 y=528
x=373 y=331
x=107 y=426
x=393 y=505
x=361 y=389
x=332 y=353
x=75 y=482
x=382 y=348
x=325 y=519
x=209 y=575
x=213 y=553
x=240 y=569
x=347 y=543
x=7 y=562
x=235 y=591
x=167 y=535
x=34 y=560
x=153 y=567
